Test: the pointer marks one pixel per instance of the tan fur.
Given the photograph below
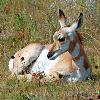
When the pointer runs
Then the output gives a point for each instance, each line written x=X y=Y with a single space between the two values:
x=65 y=63
x=29 y=53
x=77 y=39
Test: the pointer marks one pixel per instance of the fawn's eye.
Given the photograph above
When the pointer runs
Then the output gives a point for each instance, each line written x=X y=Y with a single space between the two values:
x=61 y=39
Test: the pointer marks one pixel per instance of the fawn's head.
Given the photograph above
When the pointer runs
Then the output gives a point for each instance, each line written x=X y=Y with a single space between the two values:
x=65 y=35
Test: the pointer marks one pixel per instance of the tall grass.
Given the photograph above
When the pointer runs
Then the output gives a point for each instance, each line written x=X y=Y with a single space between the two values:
x=27 y=21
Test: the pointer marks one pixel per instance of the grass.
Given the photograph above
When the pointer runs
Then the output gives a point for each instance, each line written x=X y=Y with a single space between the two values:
x=17 y=90
x=27 y=21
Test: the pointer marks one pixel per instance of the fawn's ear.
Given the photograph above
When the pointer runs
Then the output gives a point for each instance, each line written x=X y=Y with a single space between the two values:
x=62 y=18
x=80 y=20
x=76 y=24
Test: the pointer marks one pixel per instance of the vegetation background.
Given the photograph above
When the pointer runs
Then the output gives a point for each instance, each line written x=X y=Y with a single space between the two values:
x=27 y=21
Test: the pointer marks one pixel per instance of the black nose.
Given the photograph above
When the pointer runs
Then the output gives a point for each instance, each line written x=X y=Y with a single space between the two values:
x=50 y=55
x=61 y=39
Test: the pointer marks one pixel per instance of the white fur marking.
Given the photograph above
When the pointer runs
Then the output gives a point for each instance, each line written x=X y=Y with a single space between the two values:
x=62 y=24
x=11 y=66
x=73 y=77
x=73 y=26
x=43 y=62
x=70 y=29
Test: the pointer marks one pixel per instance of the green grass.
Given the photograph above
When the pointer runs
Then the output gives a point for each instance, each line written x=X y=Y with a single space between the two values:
x=20 y=89
x=26 y=21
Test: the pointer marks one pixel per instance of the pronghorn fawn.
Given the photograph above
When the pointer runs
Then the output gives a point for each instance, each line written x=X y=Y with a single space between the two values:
x=68 y=39
x=64 y=57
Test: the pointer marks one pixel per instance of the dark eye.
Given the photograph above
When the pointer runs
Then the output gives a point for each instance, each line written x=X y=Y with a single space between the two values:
x=61 y=39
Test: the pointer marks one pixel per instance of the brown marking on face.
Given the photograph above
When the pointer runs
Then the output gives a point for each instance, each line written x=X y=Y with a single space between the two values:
x=72 y=46
x=77 y=39
x=52 y=47
x=58 y=43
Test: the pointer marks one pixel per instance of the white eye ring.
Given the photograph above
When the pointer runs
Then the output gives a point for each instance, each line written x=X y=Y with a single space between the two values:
x=60 y=36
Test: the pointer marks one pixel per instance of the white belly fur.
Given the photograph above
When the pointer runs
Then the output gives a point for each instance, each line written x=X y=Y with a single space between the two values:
x=42 y=63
